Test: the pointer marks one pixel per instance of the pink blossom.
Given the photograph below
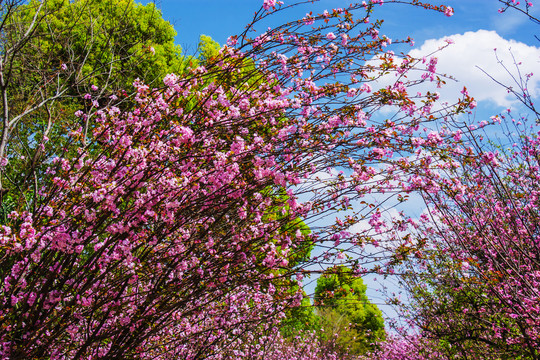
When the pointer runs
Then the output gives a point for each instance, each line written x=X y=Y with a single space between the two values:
x=366 y=88
x=267 y=4
x=232 y=40
x=308 y=20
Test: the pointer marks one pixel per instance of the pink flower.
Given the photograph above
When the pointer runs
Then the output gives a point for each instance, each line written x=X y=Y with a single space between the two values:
x=308 y=20
x=448 y=11
x=267 y=4
x=232 y=40
x=330 y=36
x=344 y=39
x=366 y=88
x=187 y=134
x=31 y=298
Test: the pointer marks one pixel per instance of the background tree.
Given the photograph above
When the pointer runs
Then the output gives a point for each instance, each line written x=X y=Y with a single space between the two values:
x=208 y=49
x=349 y=322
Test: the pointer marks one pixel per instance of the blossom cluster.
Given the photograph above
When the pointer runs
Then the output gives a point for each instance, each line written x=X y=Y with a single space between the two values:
x=170 y=231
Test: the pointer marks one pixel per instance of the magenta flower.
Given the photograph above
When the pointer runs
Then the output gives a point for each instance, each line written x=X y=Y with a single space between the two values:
x=267 y=4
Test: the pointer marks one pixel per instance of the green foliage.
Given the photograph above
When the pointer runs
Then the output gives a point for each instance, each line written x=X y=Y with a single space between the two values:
x=77 y=44
x=108 y=43
x=293 y=226
x=300 y=318
x=343 y=317
x=349 y=321
x=208 y=48
x=303 y=250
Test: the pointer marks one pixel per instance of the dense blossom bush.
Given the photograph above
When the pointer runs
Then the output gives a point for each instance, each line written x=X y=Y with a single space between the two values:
x=410 y=347
x=474 y=281
x=164 y=231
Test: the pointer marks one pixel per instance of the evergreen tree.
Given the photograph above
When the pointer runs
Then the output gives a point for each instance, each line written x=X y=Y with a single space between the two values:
x=350 y=323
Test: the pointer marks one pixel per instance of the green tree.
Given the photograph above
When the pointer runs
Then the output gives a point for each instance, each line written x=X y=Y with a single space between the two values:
x=208 y=48
x=108 y=43
x=55 y=52
x=298 y=318
x=350 y=323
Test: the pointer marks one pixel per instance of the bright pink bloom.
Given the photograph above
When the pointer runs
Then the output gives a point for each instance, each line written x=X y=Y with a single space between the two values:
x=267 y=4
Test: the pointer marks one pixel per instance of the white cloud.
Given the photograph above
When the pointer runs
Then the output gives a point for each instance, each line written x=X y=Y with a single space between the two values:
x=473 y=51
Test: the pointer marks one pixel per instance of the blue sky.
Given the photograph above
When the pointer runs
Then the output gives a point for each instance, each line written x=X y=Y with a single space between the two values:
x=476 y=26
x=219 y=19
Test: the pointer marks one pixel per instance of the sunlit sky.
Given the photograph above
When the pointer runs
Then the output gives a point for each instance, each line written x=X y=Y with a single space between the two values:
x=219 y=19
x=476 y=28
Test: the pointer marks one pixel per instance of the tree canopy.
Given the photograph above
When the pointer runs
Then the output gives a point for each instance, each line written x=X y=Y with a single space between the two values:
x=345 y=310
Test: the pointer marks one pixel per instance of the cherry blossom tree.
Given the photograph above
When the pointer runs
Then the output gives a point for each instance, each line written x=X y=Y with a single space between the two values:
x=470 y=263
x=167 y=233
x=474 y=283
